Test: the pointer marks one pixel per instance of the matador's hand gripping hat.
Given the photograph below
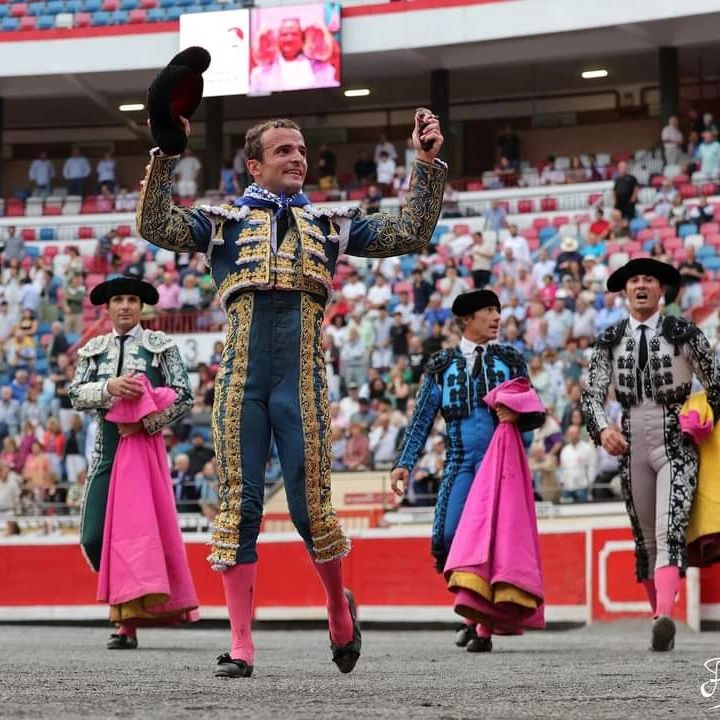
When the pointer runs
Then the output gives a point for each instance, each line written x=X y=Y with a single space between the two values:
x=176 y=91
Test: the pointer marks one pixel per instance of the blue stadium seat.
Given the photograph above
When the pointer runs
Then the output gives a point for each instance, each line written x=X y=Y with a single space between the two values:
x=155 y=15
x=214 y=7
x=166 y=3
x=55 y=7
x=45 y=22
x=712 y=263
x=120 y=17
x=47 y=234
x=638 y=224
x=43 y=328
x=32 y=251
x=174 y=13
x=203 y=2
x=41 y=366
x=706 y=251
x=547 y=233
x=72 y=338
x=194 y=9
x=184 y=3
x=73 y=6
x=648 y=244
x=687 y=229
x=5 y=9
x=100 y=18
x=35 y=9
x=129 y=4
x=9 y=24
x=92 y=6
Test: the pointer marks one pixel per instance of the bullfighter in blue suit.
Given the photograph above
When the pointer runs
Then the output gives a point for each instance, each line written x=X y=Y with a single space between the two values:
x=454 y=384
x=272 y=255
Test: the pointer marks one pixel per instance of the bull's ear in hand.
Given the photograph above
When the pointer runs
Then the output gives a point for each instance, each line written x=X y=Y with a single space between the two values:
x=176 y=92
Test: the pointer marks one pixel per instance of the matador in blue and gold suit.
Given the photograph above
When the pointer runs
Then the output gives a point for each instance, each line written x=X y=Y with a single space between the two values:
x=451 y=388
x=273 y=268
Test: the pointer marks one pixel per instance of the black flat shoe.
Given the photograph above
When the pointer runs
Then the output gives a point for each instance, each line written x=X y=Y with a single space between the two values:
x=346 y=656
x=122 y=642
x=464 y=634
x=479 y=644
x=663 y=634
x=229 y=668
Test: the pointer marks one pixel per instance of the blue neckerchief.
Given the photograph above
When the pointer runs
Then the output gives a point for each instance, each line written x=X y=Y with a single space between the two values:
x=258 y=197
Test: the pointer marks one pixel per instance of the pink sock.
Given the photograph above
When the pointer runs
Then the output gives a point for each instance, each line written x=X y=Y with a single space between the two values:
x=483 y=631
x=649 y=586
x=126 y=630
x=667 y=584
x=339 y=620
x=239 y=584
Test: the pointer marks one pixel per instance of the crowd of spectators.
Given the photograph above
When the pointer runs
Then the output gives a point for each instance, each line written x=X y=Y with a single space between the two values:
x=383 y=321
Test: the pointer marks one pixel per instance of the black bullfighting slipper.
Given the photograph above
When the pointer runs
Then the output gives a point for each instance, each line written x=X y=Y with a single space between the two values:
x=663 y=634
x=122 y=642
x=346 y=656
x=464 y=634
x=229 y=668
x=479 y=644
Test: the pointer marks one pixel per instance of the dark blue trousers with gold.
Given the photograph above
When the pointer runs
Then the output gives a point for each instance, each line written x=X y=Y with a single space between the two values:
x=272 y=383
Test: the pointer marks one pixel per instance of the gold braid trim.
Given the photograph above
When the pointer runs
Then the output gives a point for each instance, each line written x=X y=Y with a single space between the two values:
x=413 y=229
x=158 y=220
x=328 y=540
x=226 y=427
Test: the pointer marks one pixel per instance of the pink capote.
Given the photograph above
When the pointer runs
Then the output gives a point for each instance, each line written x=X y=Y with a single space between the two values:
x=496 y=545
x=143 y=560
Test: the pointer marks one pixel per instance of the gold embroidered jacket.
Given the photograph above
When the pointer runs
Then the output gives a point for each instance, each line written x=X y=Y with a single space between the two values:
x=244 y=252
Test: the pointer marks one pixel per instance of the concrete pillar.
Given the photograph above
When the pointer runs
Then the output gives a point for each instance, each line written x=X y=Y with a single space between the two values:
x=214 y=120
x=669 y=89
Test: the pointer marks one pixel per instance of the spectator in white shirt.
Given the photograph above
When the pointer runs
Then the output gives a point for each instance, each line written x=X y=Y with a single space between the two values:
x=186 y=173
x=552 y=175
x=385 y=173
x=672 y=140
x=577 y=467
x=384 y=146
x=106 y=174
x=708 y=153
x=518 y=244
x=76 y=171
x=380 y=293
x=451 y=286
x=543 y=267
x=583 y=319
x=41 y=174
x=409 y=154
x=383 y=437
x=459 y=243
x=354 y=288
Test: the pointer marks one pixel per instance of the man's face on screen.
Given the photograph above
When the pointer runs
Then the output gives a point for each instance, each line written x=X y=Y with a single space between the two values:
x=284 y=163
x=290 y=39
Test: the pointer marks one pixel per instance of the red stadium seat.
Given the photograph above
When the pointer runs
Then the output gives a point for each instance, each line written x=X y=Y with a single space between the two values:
x=712 y=228
x=529 y=233
x=672 y=243
x=50 y=251
x=83 y=19
x=680 y=180
x=317 y=196
x=110 y=5
x=645 y=234
x=622 y=157
x=656 y=181
x=666 y=233
x=707 y=188
x=632 y=247
x=525 y=206
x=689 y=191
x=611 y=248
x=136 y=16
x=148 y=4
x=560 y=220
x=18 y=10
x=595 y=198
x=713 y=240
x=658 y=222
x=27 y=22
x=533 y=243
x=28 y=234
x=86 y=233
x=14 y=207
x=548 y=204
x=462 y=228
x=124 y=230
x=474 y=186
x=541 y=222
x=52 y=210
x=356 y=194
x=679 y=255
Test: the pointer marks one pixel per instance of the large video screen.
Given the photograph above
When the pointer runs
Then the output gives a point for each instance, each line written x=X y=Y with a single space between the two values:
x=226 y=35
x=295 y=47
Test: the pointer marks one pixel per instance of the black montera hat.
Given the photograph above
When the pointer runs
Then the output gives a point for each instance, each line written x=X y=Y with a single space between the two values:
x=176 y=91
x=469 y=302
x=101 y=294
x=666 y=274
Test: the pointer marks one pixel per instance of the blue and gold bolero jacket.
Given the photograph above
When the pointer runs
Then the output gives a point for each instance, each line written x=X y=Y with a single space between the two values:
x=244 y=253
